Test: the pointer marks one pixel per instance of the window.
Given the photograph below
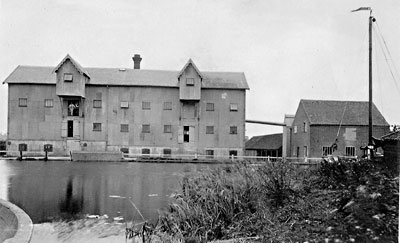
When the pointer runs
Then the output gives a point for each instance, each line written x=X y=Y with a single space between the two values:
x=190 y=81
x=304 y=127
x=124 y=150
x=210 y=154
x=327 y=150
x=96 y=103
x=146 y=128
x=233 y=107
x=305 y=151
x=124 y=104
x=145 y=151
x=68 y=77
x=146 y=105
x=233 y=130
x=210 y=107
x=209 y=129
x=295 y=129
x=232 y=153
x=97 y=127
x=350 y=151
x=185 y=134
x=167 y=129
x=73 y=107
x=124 y=127
x=167 y=105
x=167 y=152
x=23 y=102
x=48 y=103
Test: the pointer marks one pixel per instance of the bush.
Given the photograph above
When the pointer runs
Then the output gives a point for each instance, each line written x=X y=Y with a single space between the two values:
x=345 y=201
x=366 y=201
x=228 y=202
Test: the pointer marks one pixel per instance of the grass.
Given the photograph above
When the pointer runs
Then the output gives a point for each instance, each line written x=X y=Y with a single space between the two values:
x=278 y=202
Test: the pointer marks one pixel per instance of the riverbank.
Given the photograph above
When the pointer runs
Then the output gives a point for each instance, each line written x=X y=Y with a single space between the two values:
x=83 y=230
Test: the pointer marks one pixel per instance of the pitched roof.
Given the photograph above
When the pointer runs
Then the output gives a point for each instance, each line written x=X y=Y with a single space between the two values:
x=190 y=62
x=392 y=136
x=330 y=112
x=129 y=77
x=271 y=141
x=80 y=69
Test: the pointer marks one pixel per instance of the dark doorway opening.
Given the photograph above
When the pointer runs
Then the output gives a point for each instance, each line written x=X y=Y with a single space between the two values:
x=70 y=132
x=185 y=134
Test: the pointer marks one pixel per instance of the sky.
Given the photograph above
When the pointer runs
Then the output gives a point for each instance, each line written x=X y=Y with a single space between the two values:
x=288 y=49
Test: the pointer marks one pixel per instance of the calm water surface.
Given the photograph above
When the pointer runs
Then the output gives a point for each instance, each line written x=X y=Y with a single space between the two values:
x=60 y=189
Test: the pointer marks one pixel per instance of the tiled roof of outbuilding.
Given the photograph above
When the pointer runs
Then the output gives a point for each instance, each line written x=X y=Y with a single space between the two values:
x=330 y=112
x=392 y=136
x=271 y=141
x=129 y=77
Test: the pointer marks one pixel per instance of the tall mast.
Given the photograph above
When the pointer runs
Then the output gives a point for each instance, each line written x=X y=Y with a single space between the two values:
x=370 y=140
x=370 y=146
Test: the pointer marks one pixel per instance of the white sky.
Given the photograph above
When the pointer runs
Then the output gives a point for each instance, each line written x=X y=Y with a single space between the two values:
x=288 y=49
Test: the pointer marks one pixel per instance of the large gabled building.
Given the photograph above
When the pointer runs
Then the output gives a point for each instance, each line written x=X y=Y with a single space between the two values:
x=326 y=127
x=133 y=110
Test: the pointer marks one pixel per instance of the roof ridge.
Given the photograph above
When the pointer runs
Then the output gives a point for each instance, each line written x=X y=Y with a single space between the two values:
x=305 y=111
x=358 y=101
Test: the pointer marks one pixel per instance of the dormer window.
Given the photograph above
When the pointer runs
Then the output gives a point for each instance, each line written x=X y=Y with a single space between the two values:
x=189 y=81
x=68 y=77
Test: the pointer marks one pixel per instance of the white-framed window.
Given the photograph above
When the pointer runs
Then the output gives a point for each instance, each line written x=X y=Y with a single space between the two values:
x=145 y=151
x=146 y=128
x=350 y=151
x=167 y=129
x=68 y=77
x=167 y=105
x=167 y=152
x=295 y=129
x=96 y=103
x=146 y=105
x=210 y=107
x=327 y=150
x=190 y=81
x=209 y=153
x=48 y=103
x=23 y=102
x=97 y=127
x=124 y=104
x=233 y=107
x=124 y=128
x=304 y=126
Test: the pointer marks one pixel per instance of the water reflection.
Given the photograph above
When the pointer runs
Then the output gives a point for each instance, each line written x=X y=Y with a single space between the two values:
x=70 y=207
x=53 y=190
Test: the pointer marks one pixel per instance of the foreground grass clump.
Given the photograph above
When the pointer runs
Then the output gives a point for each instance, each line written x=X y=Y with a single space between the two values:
x=345 y=201
x=229 y=202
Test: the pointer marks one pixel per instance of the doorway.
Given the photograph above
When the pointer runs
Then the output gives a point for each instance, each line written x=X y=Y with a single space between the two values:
x=185 y=134
x=70 y=128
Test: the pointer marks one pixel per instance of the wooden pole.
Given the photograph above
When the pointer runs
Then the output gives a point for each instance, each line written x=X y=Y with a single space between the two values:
x=370 y=140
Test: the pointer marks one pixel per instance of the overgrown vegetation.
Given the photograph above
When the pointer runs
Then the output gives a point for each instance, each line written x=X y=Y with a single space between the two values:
x=345 y=201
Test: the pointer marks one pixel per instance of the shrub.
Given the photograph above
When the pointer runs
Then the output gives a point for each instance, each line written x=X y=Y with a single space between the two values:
x=345 y=201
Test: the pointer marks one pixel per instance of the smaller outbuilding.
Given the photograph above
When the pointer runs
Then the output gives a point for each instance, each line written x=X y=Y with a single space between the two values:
x=265 y=145
x=391 y=148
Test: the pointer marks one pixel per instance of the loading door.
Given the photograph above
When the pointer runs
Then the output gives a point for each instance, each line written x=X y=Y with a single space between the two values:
x=70 y=128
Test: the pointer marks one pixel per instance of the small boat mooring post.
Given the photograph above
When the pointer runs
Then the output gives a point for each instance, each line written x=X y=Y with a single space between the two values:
x=22 y=147
x=47 y=148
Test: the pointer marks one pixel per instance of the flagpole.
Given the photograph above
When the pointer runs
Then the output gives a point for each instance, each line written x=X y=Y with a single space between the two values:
x=370 y=146
x=370 y=140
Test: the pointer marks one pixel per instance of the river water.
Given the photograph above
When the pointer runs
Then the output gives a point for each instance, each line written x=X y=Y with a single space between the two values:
x=54 y=190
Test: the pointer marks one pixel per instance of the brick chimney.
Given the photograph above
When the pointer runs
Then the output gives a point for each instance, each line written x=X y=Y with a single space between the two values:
x=136 y=61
